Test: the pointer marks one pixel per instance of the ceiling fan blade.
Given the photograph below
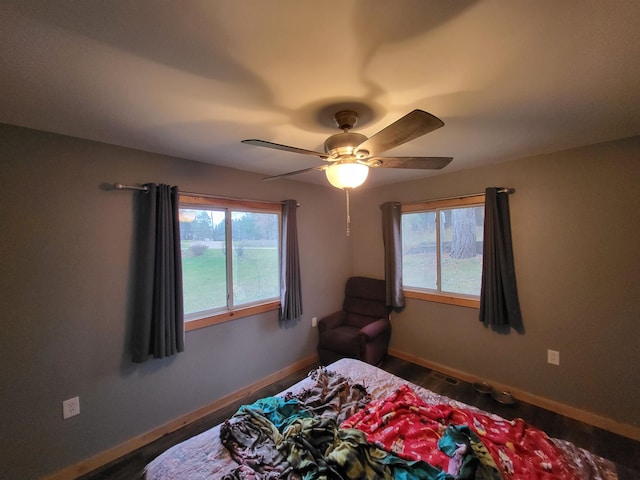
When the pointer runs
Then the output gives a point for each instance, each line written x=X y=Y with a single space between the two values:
x=423 y=163
x=412 y=125
x=319 y=167
x=286 y=148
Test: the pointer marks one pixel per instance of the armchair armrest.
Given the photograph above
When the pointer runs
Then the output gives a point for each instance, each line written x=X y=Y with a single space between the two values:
x=376 y=328
x=332 y=320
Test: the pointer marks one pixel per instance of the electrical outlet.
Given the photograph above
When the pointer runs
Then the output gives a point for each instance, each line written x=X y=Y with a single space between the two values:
x=553 y=357
x=71 y=407
x=314 y=322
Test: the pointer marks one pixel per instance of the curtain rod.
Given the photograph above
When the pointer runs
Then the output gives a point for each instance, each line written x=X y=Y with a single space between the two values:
x=120 y=186
x=501 y=190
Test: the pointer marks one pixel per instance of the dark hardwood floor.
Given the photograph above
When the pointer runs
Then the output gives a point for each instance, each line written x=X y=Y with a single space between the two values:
x=623 y=451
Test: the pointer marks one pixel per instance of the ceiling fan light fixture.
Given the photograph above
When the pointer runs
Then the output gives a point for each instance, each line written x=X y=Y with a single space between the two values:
x=346 y=175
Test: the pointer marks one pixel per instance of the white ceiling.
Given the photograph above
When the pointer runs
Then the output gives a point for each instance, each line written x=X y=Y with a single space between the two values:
x=193 y=78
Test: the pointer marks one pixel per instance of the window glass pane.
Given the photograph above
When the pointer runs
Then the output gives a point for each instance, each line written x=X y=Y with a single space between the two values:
x=256 y=266
x=419 y=260
x=204 y=278
x=461 y=231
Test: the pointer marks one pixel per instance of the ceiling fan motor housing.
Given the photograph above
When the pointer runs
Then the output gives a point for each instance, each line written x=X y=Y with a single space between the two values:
x=345 y=119
x=343 y=144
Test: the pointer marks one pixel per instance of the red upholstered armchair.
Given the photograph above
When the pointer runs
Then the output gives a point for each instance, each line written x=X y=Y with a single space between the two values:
x=361 y=329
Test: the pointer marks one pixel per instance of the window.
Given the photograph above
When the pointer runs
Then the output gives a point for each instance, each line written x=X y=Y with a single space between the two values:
x=230 y=259
x=442 y=250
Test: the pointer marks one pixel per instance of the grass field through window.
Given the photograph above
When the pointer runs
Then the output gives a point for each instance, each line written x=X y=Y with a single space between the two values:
x=458 y=275
x=255 y=269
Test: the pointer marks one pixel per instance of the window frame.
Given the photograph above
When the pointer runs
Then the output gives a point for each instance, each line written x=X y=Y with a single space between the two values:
x=470 y=301
x=245 y=310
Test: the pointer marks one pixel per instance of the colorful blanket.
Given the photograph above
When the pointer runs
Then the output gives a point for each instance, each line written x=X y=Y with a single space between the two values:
x=487 y=447
x=340 y=396
x=286 y=439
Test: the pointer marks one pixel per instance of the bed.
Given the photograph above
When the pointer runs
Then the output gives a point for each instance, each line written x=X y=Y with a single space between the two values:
x=351 y=420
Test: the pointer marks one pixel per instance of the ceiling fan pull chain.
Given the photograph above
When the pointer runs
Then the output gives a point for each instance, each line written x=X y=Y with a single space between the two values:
x=346 y=190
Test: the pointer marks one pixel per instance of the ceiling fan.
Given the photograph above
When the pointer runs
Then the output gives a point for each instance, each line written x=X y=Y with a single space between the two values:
x=349 y=155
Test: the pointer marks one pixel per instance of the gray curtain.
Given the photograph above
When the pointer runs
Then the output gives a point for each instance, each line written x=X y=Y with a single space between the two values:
x=290 y=285
x=392 y=239
x=158 y=323
x=499 y=304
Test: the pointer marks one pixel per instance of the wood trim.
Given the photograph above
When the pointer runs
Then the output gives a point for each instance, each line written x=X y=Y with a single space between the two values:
x=449 y=202
x=93 y=463
x=624 y=429
x=440 y=298
x=230 y=315
x=275 y=207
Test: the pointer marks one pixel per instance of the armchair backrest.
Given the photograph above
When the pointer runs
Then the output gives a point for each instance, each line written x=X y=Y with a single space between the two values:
x=365 y=301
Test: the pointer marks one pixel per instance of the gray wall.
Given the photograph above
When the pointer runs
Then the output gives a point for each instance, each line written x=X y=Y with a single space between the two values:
x=576 y=223
x=66 y=258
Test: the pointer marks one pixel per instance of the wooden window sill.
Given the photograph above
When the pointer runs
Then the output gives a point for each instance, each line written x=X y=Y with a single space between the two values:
x=230 y=315
x=440 y=298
